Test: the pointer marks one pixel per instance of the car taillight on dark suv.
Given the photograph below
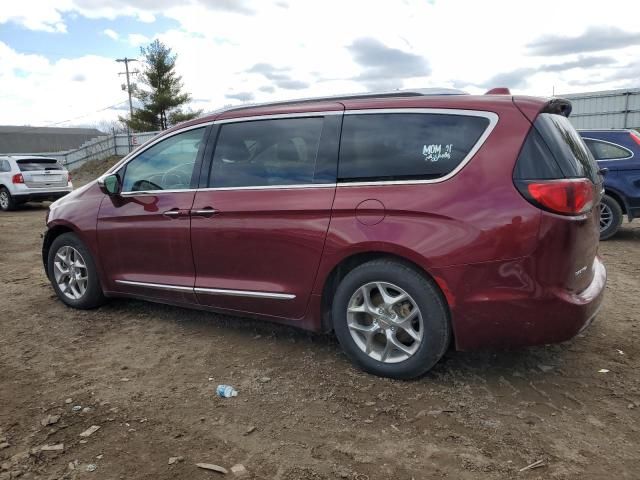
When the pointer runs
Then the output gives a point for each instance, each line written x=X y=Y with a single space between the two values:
x=555 y=170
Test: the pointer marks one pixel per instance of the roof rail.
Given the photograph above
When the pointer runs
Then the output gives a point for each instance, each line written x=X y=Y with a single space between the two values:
x=416 y=92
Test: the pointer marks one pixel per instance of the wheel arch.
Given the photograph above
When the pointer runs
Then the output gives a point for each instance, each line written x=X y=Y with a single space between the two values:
x=348 y=263
x=51 y=234
x=619 y=198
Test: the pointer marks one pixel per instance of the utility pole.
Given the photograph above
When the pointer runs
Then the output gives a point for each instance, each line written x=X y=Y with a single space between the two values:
x=126 y=61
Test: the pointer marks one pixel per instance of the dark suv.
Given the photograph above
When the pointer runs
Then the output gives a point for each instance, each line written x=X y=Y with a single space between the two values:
x=619 y=152
x=403 y=222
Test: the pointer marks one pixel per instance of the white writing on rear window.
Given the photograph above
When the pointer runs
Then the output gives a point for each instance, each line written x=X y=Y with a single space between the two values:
x=436 y=152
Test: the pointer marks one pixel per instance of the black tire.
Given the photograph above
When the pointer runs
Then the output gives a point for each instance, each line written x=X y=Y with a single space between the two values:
x=92 y=296
x=7 y=202
x=435 y=315
x=616 y=217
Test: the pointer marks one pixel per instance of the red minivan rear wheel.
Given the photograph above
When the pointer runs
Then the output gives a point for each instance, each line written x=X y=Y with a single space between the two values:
x=391 y=320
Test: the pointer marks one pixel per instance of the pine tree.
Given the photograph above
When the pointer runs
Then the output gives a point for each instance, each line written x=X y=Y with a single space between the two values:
x=161 y=96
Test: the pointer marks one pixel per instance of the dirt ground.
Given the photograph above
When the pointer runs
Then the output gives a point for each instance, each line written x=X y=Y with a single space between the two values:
x=146 y=375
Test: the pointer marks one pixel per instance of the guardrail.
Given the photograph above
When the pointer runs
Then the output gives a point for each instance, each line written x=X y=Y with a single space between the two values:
x=96 y=149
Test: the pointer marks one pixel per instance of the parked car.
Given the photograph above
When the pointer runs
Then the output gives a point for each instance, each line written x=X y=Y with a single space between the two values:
x=31 y=179
x=619 y=152
x=402 y=222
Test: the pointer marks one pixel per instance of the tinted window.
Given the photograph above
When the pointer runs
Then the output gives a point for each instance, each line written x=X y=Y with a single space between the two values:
x=266 y=152
x=167 y=165
x=404 y=146
x=567 y=146
x=29 y=165
x=4 y=166
x=604 y=150
x=536 y=160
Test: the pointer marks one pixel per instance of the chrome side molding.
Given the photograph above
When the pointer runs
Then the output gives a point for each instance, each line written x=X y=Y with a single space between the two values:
x=211 y=291
x=158 y=286
x=245 y=293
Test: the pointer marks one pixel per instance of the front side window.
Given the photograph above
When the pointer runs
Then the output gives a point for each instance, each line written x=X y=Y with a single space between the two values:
x=266 y=153
x=606 y=151
x=396 y=146
x=167 y=165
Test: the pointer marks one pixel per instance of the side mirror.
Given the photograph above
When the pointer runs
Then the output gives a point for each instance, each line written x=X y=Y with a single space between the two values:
x=110 y=184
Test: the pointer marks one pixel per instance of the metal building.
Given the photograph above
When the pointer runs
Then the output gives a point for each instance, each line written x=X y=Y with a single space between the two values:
x=606 y=109
x=19 y=139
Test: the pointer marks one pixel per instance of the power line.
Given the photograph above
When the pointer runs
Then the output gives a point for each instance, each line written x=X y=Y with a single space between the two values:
x=48 y=125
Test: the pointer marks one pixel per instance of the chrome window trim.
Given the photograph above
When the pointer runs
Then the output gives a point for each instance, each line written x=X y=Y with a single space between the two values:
x=615 y=145
x=210 y=291
x=154 y=192
x=214 y=189
x=278 y=116
x=270 y=187
x=158 y=286
x=244 y=293
x=491 y=116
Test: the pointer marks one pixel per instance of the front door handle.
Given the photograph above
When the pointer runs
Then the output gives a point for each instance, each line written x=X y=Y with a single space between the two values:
x=204 y=212
x=174 y=212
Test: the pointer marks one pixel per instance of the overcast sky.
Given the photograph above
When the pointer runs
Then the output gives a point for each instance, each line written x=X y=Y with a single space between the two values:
x=57 y=57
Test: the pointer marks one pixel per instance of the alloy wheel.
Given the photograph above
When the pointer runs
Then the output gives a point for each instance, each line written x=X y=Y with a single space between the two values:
x=385 y=322
x=606 y=216
x=70 y=272
x=4 y=200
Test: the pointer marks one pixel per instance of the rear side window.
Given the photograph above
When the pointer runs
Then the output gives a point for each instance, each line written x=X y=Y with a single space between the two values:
x=29 y=165
x=398 y=146
x=4 y=166
x=566 y=145
x=266 y=153
x=606 y=151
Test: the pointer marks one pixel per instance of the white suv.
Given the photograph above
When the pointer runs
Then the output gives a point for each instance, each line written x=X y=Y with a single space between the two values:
x=31 y=179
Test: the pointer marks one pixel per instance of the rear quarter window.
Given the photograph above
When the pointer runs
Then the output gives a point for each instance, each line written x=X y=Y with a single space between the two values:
x=399 y=146
x=606 y=150
x=567 y=146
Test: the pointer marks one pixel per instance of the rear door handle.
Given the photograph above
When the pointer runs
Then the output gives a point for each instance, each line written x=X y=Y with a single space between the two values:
x=204 y=212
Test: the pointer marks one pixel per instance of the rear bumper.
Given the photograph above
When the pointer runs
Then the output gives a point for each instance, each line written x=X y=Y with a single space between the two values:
x=40 y=196
x=512 y=310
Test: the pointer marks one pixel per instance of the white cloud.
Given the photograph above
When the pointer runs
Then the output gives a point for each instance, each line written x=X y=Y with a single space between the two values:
x=36 y=91
x=35 y=14
x=137 y=39
x=464 y=44
x=112 y=34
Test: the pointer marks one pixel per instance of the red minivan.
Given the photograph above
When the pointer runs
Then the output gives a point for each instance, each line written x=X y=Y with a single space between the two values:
x=404 y=222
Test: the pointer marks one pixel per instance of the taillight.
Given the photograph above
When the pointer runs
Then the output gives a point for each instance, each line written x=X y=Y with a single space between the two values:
x=635 y=137
x=17 y=178
x=68 y=176
x=564 y=196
